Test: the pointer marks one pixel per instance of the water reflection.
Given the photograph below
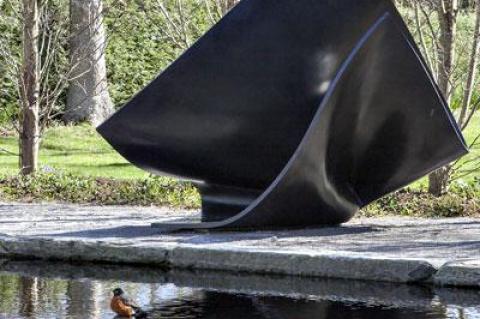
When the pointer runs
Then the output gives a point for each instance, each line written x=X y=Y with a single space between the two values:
x=42 y=291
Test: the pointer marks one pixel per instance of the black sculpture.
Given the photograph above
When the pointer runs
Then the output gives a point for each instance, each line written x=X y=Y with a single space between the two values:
x=292 y=113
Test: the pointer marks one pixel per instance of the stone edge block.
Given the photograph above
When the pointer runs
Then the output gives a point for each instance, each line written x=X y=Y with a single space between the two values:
x=249 y=260
x=80 y=250
x=464 y=273
x=301 y=264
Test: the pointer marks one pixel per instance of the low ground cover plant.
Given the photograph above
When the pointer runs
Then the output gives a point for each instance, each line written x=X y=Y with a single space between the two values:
x=164 y=191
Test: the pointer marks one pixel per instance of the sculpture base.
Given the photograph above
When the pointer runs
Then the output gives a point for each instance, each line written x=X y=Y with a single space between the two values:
x=222 y=202
x=219 y=203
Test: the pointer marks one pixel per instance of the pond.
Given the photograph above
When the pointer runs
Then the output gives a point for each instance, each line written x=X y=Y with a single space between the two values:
x=34 y=289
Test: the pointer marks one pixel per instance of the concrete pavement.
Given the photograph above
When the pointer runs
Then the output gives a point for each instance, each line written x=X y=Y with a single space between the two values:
x=391 y=249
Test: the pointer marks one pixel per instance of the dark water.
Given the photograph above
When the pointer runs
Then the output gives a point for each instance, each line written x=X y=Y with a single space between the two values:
x=45 y=290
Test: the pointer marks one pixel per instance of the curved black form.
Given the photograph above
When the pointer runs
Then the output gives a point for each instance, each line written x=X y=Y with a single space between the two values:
x=292 y=113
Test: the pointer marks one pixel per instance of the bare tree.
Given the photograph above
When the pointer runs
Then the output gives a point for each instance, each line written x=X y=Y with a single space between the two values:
x=469 y=107
x=45 y=69
x=218 y=8
x=472 y=71
x=226 y=5
x=447 y=16
x=30 y=87
x=177 y=17
x=453 y=64
x=87 y=97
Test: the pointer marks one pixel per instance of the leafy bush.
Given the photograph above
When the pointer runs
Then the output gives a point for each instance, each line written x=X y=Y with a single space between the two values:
x=10 y=42
x=163 y=191
x=457 y=203
x=70 y=188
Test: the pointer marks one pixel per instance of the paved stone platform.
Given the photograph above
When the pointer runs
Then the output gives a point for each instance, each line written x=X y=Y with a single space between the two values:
x=412 y=250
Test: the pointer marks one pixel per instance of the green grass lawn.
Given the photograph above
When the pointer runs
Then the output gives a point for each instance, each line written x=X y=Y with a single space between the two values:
x=78 y=150
x=470 y=134
x=90 y=171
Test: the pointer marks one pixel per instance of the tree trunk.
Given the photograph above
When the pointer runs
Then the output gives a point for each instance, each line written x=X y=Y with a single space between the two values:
x=29 y=86
x=84 y=299
x=447 y=16
x=87 y=97
x=28 y=296
x=438 y=181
